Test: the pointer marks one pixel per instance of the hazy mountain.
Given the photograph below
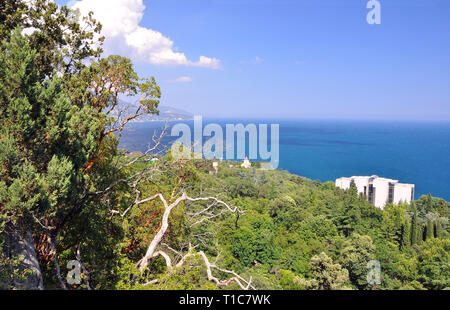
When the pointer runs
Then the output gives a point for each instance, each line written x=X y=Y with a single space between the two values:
x=166 y=113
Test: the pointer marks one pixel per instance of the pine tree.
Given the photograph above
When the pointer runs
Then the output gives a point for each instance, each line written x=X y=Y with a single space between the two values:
x=353 y=189
x=44 y=144
x=420 y=234
x=429 y=230
x=429 y=204
x=48 y=139
x=406 y=235
x=414 y=227
x=438 y=229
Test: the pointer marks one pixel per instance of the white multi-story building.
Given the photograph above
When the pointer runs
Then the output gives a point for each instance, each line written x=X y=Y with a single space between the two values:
x=379 y=191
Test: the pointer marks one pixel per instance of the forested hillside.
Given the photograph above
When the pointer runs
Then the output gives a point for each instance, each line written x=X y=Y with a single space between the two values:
x=292 y=233
x=77 y=213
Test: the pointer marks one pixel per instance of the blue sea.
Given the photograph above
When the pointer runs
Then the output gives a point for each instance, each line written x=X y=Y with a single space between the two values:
x=415 y=152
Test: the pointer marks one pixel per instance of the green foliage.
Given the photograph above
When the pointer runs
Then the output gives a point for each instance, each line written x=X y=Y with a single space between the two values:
x=357 y=251
x=57 y=151
x=429 y=229
x=55 y=142
x=42 y=157
x=60 y=42
x=317 y=228
x=415 y=233
x=434 y=263
x=253 y=242
x=288 y=280
x=326 y=274
x=10 y=271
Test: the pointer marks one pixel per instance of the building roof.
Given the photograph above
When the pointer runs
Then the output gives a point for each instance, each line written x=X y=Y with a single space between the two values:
x=367 y=177
x=375 y=177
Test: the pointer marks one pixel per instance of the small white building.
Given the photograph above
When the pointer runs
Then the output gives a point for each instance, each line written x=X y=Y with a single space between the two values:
x=379 y=191
x=246 y=164
x=216 y=166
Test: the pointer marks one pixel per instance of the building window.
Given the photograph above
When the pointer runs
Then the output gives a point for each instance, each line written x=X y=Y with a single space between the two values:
x=412 y=194
x=365 y=191
x=391 y=193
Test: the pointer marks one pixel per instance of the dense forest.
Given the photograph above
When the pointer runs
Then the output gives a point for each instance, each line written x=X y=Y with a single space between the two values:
x=70 y=198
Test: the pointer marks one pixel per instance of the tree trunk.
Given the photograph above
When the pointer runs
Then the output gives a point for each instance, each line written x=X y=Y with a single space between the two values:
x=156 y=240
x=27 y=274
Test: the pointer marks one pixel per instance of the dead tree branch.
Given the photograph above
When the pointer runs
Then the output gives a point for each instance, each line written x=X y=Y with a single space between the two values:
x=85 y=271
x=143 y=263
x=243 y=283
x=54 y=253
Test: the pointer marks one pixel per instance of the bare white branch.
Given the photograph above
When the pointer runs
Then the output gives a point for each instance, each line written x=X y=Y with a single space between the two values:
x=243 y=283
x=53 y=246
x=85 y=271
x=143 y=263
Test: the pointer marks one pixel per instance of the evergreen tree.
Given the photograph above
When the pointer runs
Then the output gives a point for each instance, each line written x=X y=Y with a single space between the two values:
x=420 y=234
x=414 y=226
x=353 y=189
x=429 y=203
x=442 y=208
x=406 y=235
x=429 y=230
x=357 y=251
x=327 y=275
x=438 y=229
x=50 y=143
x=45 y=144
x=60 y=41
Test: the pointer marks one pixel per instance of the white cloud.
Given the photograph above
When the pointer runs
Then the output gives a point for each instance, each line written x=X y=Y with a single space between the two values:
x=254 y=61
x=258 y=60
x=183 y=79
x=208 y=62
x=120 y=20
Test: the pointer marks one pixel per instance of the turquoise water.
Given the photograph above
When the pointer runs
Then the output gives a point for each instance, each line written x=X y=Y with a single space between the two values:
x=415 y=152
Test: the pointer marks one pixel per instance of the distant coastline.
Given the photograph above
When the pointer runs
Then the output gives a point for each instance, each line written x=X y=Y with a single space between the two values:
x=414 y=152
x=166 y=114
x=162 y=120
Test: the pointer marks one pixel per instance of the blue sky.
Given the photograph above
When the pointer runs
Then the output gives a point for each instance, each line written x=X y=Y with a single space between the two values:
x=288 y=58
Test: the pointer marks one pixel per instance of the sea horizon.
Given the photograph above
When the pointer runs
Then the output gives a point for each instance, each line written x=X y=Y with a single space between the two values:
x=410 y=151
